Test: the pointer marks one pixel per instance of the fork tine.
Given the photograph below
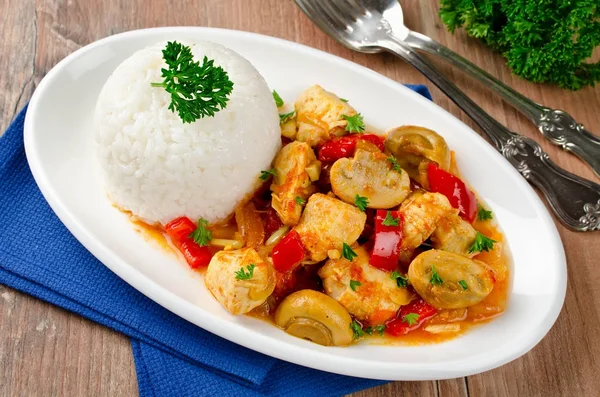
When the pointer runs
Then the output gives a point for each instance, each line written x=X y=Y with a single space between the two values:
x=343 y=18
x=322 y=18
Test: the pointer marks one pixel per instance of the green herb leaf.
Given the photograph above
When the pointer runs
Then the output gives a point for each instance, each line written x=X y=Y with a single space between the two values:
x=482 y=243
x=411 y=319
x=483 y=214
x=355 y=123
x=463 y=284
x=283 y=118
x=435 y=277
x=196 y=90
x=354 y=284
x=344 y=100
x=348 y=253
x=242 y=275
x=357 y=329
x=395 y=164
x=277 y=98
x=202 y=236
x=380 y=329
x=264 y=175
x=401 y=280
x=390 y=220
x=361 y=202
x=300 y=200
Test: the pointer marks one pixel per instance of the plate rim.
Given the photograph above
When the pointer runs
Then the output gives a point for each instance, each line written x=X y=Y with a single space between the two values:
x=301 y=355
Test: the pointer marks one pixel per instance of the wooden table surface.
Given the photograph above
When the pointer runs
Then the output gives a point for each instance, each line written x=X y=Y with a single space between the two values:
x=46 y=351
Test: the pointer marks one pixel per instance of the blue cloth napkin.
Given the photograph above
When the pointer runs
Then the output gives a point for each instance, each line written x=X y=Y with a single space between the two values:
x=173 y=357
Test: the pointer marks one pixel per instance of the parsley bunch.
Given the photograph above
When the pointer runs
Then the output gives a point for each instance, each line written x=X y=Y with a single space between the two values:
x=545 y=41
x=196 y=90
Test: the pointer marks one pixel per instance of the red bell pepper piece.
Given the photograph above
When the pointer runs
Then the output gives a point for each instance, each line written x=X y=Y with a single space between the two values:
x=400 y=325
x=388 y=239
x=288 y=252
x=454 y=189
x=345 y=146
x=179 y=231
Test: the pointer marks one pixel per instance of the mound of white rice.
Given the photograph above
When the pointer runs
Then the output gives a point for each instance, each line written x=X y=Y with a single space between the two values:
x=159 y=168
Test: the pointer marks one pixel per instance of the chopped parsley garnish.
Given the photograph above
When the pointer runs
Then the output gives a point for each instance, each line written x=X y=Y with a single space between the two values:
x=482 y=243
x=395 y=164
x=300 y=200
x=202 y=236
x=435 y=277
x=344 y=100
x=355 y=123
x=277 y=98
x=283 y=118
x=348 y=253
x=390 y=220
x=483 y=214
x=243 y=275
x=361 y=202
x=463 y=284
x=378 y=328
x=401 y=280
x=264 y=175
x=354 y=284
x=196 y=90
x=357 y=329
x=411 y=319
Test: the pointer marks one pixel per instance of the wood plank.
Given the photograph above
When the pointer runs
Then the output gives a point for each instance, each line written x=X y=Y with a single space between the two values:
x=47 y=351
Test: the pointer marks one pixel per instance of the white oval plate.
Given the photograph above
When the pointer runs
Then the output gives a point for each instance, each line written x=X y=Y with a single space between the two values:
x=58 y=142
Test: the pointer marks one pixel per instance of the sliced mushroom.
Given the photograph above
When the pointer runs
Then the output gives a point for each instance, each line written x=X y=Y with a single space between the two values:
x=414 y=147
x=370 y=175
x=315 y=316
x=457 y=282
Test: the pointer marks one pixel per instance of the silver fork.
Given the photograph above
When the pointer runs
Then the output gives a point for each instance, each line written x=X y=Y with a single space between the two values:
x=364 y=26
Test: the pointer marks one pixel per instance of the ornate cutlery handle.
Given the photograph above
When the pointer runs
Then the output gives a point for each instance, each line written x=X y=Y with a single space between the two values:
x=556 y=125
x=575 y=200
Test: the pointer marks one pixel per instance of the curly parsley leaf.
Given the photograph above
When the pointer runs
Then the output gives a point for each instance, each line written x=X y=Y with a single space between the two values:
x=435 y=277
x=355 y=123
x=348 y=252
x=395 y=164
x=202 y=236
x=357 y=329
x=243 y=275
x=196 y=90
x=300 y=200
x=361 y=202
x=264 y=175
x=390 y=220
x=277 y=98
x=482 y=243
x=463 y=284
x=401 y=280
x=285 y=117
x=411 y=319
x=378 y=328
x=483 y=214
x=354 y=284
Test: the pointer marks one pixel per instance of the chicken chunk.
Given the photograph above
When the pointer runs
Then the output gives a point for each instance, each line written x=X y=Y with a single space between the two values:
x=327 y=223
x=370 y=175
x=319 y=116
x=421 y=213
x=240 y=280
x=292 y=180
x=375 y=298
x=454 y=234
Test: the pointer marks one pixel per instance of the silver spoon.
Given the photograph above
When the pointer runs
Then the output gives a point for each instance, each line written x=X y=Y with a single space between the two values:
x=364 y=26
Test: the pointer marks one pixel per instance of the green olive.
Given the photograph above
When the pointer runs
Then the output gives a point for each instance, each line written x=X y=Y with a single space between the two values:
x=315 y=316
